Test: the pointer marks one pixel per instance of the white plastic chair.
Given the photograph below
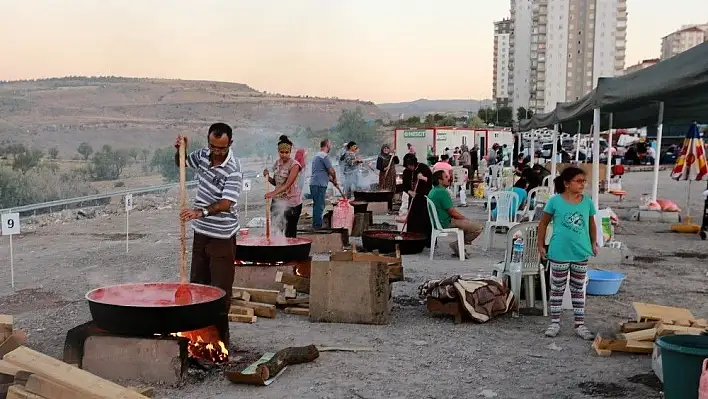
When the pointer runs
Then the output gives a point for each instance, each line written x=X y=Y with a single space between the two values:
x=439 y=231
x=535 y=195
x=530 y=264
x=546 y=182
x=494 y=177
x=507 y=205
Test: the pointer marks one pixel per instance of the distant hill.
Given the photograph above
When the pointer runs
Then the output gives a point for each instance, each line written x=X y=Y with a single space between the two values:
x=149 y=113
x=423 y=107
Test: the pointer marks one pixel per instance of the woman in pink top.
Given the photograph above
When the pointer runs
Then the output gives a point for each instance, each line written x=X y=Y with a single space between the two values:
x=287 y=198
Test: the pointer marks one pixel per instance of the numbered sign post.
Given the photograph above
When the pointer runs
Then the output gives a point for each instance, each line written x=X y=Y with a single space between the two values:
x=128 y=208
x=10 y=227
x=246 y=188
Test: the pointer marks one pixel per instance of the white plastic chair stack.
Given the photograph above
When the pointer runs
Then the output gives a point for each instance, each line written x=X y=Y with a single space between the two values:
x=530 y=266
x=507 y=204
x=535 y=196
x=439 y=231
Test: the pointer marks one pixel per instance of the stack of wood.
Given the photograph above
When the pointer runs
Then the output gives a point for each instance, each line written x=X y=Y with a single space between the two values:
x=295 y=298
x=651 y=323
x=28 y=374
x=248 y=304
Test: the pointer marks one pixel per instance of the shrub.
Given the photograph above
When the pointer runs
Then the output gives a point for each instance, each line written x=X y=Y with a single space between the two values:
x=40 y=184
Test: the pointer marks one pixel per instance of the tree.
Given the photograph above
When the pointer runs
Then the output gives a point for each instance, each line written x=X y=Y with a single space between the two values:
x=476 y=123
x=501 y=116
x=144 y=154
x=15 y=150
x=53 y=153
x=522 y=113
x=134 y=153
x=108 y=164
x=27 y=160
x=352 y=126
x=163 y=160
x=85 y=150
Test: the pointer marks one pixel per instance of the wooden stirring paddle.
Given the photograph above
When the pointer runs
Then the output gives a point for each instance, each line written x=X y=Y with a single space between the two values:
x=183 y=296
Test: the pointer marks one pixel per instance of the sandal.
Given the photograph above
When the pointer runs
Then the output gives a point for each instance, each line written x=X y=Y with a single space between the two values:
x=584 y=333
x=553 y=330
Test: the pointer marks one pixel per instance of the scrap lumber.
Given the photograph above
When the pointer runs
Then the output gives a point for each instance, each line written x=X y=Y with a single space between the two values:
x=289 y=292
x=604 y=345
x=641 y=335
x=269 y=366
x=632 y=326
x=668 y=329
x=298 y=311
x=9 y=368
x=700 y=323
x=648 y=312
x=14 y=341
x=302 y=301
x=242 y=295
x=46 y=388
x=241 y=310
x=394 y=263
x=259 y=309
x=19 y=392
x=258 y=295
x=240 y=318
x=145 y=391
x=301 y=284
x=6 y=322
x=87 y=384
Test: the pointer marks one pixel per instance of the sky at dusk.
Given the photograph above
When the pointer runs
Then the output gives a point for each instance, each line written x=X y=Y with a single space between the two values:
x=383 y=50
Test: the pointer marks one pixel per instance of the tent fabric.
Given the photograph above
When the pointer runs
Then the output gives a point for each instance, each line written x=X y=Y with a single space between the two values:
x=681 y=82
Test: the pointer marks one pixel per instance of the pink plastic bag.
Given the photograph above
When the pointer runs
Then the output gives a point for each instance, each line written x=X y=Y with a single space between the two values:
x=668 y=205
x=343 y=215
x=653 y=206
x=703 y=384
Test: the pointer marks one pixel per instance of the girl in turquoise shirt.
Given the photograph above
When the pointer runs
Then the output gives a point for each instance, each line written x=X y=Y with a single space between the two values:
x=573 y=241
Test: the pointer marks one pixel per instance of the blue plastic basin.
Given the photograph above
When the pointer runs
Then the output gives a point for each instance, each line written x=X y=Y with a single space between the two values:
x=601 y=282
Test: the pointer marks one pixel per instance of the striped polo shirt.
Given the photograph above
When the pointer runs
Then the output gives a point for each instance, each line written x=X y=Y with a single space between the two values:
x=216 y=183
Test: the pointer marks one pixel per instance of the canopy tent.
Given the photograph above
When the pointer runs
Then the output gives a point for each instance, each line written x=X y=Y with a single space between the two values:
x=681 y=82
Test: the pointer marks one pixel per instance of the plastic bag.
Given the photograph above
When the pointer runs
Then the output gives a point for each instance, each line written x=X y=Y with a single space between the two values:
x=343 y=215
x=605 y=227
x=404 y=204
x=479 y=191
x=653 y=206
x=668 y=205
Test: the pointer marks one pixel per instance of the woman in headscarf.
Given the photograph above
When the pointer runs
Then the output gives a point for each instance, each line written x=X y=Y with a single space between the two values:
x=287 y=203
x=386 y=165
x=420 y=176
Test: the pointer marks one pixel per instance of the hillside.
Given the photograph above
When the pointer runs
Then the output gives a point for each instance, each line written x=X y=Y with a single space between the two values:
x=148 y=113
x=423 y=107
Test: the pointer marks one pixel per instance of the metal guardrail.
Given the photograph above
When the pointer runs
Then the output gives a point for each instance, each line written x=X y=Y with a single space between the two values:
x=95 y=197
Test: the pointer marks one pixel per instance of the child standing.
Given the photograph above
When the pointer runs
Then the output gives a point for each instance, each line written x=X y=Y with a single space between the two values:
x=573 y=241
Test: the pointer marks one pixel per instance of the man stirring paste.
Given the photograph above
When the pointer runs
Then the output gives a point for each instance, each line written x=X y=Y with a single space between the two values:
x=215 y=216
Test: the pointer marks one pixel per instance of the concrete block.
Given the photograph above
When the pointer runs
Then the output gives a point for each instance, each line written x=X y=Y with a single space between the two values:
x=654 y=216
x=612 y=256
x=350 y=292
x=263 y=277
x=325 y=241
x=378 y=208
x=150 y=360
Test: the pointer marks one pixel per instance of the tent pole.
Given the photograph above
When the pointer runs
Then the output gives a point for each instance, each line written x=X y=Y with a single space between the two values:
x=596 y=158
x=608 y=175
x=577 y=143
x=531 y=149
x=554 y=151
x=659 y=132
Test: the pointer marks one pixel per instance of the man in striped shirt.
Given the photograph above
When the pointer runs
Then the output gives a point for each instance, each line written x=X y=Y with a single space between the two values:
x=214 y=217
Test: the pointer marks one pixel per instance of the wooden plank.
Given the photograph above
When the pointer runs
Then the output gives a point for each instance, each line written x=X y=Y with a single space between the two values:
x=241 y=310
x=9 y=368
x=242 y=295
x=604 y=345
x=259 y=309
x=633 y=326
x=302 y=301
x=145 y=391
x=6 y=323
x=298 y=311
x=13 y=342
x=259 y=295
x=65 y=374
x=19 y=392
x=289 y=292
x=641 y=335
x=668 y=329
x=42 y=386
x=301 y=284
x=240 y=318
x=657 y=312
x=700 y=323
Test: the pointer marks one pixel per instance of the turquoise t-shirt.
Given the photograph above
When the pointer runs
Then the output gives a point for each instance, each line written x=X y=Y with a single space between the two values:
x=570 y=241
x=442 y=200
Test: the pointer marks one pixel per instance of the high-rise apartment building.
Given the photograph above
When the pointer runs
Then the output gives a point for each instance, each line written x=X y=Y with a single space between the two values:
x=520 y=54
x=683 y=39
x=501 y=75
x=561 y=47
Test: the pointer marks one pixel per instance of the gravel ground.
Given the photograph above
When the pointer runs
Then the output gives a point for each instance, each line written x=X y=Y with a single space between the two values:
x=58 y=260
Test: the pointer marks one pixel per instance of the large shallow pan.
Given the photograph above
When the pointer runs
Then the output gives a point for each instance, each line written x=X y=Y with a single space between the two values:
x=150 y=308
x=277 y=249
x=385 y=241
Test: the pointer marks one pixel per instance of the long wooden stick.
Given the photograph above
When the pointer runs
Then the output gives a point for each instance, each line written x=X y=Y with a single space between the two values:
x=267 y=226
x=182 y=206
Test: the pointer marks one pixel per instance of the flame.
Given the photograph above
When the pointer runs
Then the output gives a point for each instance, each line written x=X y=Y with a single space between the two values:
x=249 y=263
x=205 y=344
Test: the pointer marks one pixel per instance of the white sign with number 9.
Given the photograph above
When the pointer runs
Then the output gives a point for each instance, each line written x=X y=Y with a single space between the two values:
x=10 y=223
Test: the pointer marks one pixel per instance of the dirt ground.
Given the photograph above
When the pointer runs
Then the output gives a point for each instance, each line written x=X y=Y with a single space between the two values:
x=416 y=356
